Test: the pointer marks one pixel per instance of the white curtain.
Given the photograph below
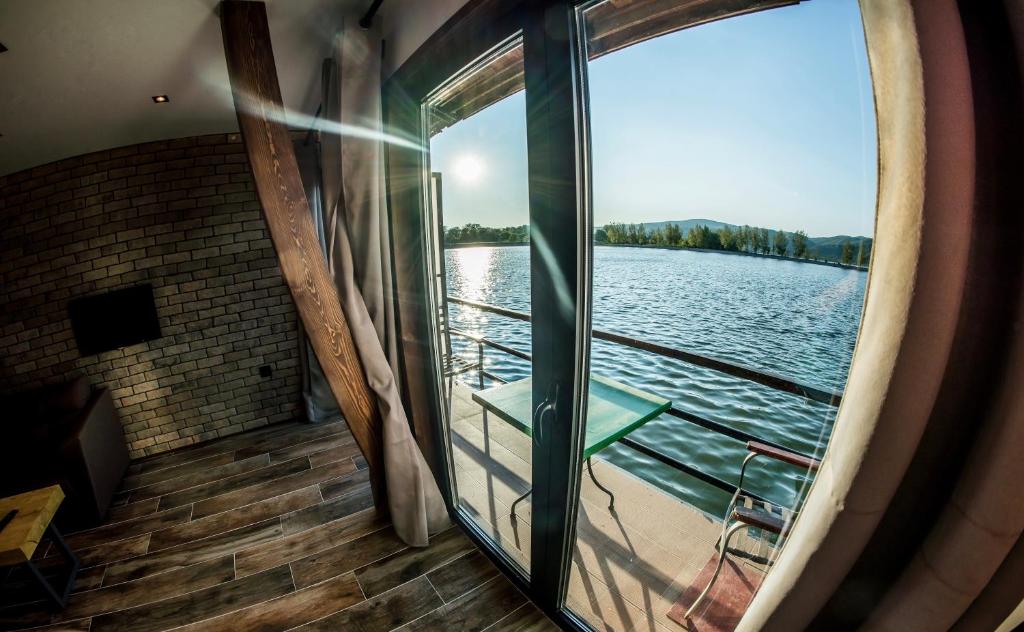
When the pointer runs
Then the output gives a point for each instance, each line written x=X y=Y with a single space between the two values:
x=358 y=241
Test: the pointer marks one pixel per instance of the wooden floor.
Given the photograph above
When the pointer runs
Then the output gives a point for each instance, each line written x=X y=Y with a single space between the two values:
x=269 y=530
x=629 y=565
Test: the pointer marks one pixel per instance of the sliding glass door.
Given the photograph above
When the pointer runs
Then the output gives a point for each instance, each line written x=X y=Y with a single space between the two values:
x=480 y=221
x=681 y=167
x=734 y=166
x=502 y=227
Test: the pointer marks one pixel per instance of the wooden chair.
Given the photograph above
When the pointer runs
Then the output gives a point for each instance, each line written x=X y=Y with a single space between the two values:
x=740 y=517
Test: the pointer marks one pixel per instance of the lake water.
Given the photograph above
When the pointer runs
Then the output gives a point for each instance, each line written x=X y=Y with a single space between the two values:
x=797 y=320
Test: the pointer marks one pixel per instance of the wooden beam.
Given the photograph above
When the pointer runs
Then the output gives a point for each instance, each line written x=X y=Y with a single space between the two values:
x=253 y=76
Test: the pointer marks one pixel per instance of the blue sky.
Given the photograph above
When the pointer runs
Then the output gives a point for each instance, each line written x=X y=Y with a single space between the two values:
x=765 y=119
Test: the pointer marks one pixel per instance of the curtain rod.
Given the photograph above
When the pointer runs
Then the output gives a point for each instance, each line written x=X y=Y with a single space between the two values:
x=367 y=18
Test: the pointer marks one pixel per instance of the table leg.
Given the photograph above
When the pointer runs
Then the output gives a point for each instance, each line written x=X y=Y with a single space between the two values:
x=611 y=496
x=59 y=599
x=512 y=514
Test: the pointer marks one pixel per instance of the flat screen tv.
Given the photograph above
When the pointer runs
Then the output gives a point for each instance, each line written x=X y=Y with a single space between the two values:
x=113 y=320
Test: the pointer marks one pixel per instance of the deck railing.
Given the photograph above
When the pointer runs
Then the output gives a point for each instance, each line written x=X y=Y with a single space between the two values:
x=770 y=380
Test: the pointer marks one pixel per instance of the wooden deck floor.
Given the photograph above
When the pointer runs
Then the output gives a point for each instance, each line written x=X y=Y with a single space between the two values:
x=271 y=530
x=629 y=565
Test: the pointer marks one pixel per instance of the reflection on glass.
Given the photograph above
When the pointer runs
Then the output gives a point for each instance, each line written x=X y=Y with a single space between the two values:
x=733 y=168
x=479 y=216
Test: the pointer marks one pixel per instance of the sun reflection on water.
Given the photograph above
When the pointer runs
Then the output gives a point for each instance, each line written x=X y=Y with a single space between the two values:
x=473 y=270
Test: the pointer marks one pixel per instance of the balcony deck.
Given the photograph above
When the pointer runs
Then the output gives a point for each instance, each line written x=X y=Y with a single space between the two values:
x=629 y=565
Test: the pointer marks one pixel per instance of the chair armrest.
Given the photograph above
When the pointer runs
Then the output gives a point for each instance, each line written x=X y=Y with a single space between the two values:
x=786 y=456
x=760 y=519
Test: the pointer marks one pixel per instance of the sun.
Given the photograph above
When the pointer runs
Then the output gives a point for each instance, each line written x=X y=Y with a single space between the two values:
x=468 y=169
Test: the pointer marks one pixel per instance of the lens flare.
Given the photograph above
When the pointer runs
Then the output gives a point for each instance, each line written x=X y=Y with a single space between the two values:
x=468 y=169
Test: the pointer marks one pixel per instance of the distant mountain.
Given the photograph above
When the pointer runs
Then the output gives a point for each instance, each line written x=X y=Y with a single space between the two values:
x=825 y=247
x=686 y=224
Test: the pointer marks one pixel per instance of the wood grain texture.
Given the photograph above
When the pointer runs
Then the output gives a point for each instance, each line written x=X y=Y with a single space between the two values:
x=193 y=453
x=136 y=481
x=461 y=575
x=525 y=618
x=307 y=542
x=133 y=510
x=280 y=441
x=104 y=553
x=402 y=566
x=128 y=528
x=151 y=589
x=193 y=552
x=198 y=605
x=257 y=95
x=181 y=484
x=226 y=521
x=230 y=570
x=269 y=489
x=345 y=557
x=396 y=607
x=343 y=485
x=19 y=539
x=476 y=610
x=330 y=509
x=258 y=472
x=290 y=610
x=316 y=447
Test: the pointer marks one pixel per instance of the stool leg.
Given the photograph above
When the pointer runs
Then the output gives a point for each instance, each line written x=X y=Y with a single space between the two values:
x=51 y=594
x=611 y=496
x=59 y=599
x=718 y=569
x=72 y=559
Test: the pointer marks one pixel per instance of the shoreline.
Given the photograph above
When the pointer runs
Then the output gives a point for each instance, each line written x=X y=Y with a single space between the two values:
x=820 y=262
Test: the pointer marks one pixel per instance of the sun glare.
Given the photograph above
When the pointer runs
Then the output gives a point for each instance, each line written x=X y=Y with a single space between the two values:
x=468 y=169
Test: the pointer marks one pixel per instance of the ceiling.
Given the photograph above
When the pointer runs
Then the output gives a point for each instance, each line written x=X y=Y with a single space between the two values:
x=79 y=75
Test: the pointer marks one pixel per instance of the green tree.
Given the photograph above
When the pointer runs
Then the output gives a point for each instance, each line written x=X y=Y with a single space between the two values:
x=746 y=238
x=846 y=252
x=616 y=233
x=764 y=245
x=728 y=239
x=703 y=237
x=799 y=244
x=863 y=253
x=673 y=236
x=780 y=243
x=601 y=236
x=636 y=234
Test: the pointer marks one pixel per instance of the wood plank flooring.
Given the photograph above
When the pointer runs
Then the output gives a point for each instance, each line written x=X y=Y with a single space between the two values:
x=270 y=530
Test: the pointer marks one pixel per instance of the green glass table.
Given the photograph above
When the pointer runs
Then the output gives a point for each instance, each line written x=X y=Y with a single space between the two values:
x=613 y=411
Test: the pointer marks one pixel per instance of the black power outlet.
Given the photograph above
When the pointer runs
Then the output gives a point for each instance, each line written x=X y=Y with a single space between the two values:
x=266 y=371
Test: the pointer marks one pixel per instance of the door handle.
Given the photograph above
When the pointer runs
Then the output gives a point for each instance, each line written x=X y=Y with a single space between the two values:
x=545 y=407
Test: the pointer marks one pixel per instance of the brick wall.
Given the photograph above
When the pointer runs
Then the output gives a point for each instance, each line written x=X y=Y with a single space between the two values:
x=183 y=216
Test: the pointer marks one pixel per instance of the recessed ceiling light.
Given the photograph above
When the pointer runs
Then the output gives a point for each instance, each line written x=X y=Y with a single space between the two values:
x=161 y=98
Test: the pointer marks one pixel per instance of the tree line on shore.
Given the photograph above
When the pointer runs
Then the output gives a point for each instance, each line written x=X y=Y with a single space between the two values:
x=749 y=239
x=475 y=233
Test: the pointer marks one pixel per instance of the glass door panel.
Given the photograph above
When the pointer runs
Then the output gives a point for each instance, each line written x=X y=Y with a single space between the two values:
x=733 y=168
x=479 y=236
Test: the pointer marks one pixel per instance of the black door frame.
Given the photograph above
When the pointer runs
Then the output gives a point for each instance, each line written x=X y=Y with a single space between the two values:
x=560 y=249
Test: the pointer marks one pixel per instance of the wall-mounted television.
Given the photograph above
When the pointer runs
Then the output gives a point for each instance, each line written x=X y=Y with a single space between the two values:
x=116 y=319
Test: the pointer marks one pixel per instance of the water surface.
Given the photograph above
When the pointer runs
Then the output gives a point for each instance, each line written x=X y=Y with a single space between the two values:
x=797 y=320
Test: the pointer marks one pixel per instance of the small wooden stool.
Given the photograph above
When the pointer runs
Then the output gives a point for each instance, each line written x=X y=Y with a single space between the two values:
x=22 y=534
